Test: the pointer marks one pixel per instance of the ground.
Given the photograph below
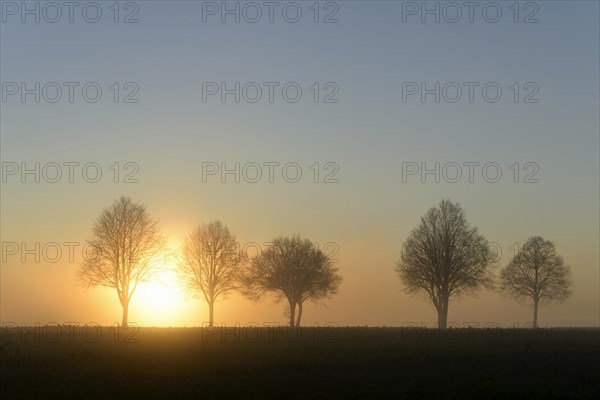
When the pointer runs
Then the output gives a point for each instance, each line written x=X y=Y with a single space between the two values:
x=283 y=363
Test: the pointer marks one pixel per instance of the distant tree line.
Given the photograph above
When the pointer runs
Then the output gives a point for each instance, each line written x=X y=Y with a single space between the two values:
x=442 y=258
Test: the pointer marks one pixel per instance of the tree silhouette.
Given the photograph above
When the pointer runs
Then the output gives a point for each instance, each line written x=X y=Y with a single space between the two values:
x=537 y=273
x=294 y=269
x=125 y=241
x=210 y=264
x=444 y=257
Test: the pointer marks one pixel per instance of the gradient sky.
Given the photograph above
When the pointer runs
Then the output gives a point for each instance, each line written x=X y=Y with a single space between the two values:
x=170 y=132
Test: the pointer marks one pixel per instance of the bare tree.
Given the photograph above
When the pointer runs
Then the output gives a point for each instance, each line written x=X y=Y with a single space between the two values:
x=536 y=272
x=444 y=257
x=209 y=263
x=126 y=242
x=294 y=269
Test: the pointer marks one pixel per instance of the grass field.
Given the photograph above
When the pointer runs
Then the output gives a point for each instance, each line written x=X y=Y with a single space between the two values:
x=324 y=363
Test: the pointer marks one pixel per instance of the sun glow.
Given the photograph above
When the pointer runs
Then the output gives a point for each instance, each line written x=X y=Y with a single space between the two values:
x=159 y=301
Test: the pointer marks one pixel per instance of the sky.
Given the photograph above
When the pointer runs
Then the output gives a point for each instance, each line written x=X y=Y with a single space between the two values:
x=367 y=116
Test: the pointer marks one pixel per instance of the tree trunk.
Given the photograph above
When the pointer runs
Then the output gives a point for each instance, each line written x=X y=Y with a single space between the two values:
x=292 y=313
x=299 y=314
x=443 y=314
x=535 y=313
x=125 y=305
x=442 y=318
x=211 y=312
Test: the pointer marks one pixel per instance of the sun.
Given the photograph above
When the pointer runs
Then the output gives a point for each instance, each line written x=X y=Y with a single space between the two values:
x=161 y=292
x=159 y=301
